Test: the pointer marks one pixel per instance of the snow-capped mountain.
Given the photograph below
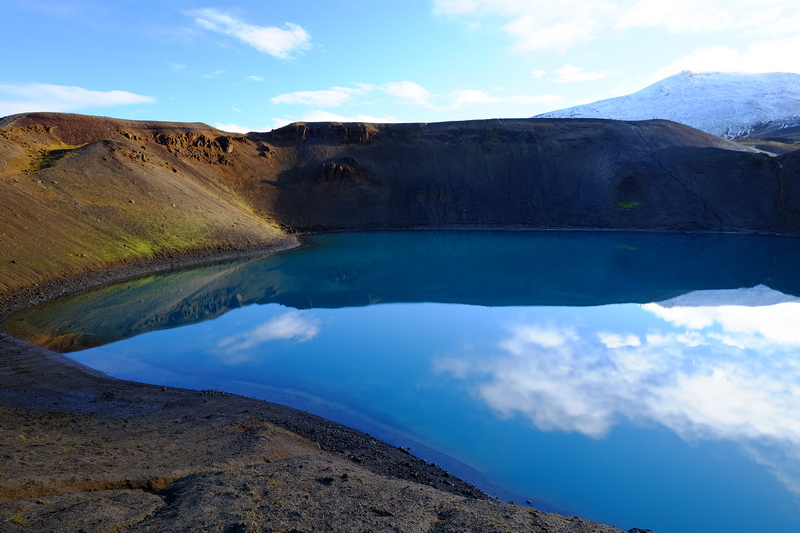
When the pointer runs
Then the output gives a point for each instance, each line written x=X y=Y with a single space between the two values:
x=722 y=103
x=758 y=296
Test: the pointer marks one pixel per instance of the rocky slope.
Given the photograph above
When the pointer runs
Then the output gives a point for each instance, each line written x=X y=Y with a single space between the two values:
x=727 y=104
x=81 y=193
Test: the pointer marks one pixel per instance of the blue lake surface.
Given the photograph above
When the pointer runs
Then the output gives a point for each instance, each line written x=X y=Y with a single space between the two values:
x=638 y=380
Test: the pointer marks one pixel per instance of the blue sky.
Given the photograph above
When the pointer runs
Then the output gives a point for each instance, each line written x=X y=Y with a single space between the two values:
x=256 y=65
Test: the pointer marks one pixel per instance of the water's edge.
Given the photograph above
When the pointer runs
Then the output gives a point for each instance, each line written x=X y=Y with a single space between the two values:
x=31 y=296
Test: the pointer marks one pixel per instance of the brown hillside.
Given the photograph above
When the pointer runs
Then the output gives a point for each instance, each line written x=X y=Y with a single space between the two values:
x=82 y=193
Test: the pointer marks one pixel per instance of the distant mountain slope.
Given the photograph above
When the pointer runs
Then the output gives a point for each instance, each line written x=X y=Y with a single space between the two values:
x=778 y=136
x=722 y=103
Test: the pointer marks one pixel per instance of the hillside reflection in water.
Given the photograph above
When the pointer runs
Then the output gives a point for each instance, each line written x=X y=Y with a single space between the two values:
x=640 y=380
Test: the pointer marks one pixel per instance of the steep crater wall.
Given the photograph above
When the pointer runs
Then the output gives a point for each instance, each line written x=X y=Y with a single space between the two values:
x=653 y=175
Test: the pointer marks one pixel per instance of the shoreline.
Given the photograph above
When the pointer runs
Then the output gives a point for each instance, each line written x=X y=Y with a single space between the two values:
x=16 y=300
x=45 y=393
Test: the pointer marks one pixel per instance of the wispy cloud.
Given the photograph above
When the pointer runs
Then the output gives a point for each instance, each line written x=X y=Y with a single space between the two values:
x=615 y=340
x=409 y=92
x=333 y=97
x=42 y=97
x=759 y=56
x=324 y=116
x=543 y=25
x=214 y=74
x=277 y=42
x=291 y=325
x=406 y=93
x=471 y=97
x=700 y=16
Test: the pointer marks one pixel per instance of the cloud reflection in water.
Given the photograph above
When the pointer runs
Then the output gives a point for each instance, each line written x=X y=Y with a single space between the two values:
x=724 y=372
x=291 y=325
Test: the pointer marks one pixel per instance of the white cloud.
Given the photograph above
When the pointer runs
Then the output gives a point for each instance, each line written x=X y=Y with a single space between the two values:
x=324 y=116
x=701 y=16
x=538 y=73
x=761 y=56
x=569 y=74
x=333 y=97
x=60 y=98
x=696 y=382
x=409 y=92
x=539 y=336
x=255 y=78
x=456 y=7
x=277 y=42
x=543 y=376
x=235 y=128
x=279 y=122
x=731 y=401
x=614 y=340
x=543 y=25
x=214 y=74
x=775 y=323
x=537 y=25
x=289 y=325
x=470 y=97
x=403 y=92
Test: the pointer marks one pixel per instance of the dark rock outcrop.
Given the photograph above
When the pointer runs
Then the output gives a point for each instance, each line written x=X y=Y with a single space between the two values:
x=653 y=175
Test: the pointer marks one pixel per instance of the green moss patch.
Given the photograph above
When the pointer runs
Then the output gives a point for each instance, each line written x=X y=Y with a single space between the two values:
x=49 y=158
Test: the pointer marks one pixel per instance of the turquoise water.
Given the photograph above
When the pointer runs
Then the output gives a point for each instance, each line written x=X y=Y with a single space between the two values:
x=637 y=380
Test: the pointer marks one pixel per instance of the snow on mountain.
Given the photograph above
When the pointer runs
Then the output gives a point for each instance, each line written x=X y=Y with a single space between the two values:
x=758 y=296
x=722 y=103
